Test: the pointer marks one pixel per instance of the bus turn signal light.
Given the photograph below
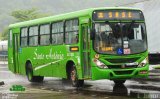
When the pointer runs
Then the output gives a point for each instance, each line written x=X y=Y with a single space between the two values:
x=73 y=48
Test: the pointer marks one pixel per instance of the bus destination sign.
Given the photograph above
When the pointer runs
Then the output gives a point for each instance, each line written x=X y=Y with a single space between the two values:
x=117 y=15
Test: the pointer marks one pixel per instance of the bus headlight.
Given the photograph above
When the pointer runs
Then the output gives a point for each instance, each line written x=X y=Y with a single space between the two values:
x=100 y=64
x=143 y=63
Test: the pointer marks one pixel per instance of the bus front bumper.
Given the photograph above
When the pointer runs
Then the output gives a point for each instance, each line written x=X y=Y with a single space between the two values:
x=114 y=74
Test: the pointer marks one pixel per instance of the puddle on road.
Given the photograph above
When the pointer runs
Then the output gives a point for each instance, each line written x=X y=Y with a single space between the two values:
x=58 y=88
x=63 y=89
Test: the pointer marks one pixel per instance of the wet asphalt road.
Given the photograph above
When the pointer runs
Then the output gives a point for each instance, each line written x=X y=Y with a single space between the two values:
x=56 y=88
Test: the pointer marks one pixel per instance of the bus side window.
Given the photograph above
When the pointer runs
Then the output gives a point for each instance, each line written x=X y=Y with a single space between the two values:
x=33 y=36
x=57 y=33
x=45 y=34
x=24 y=36
x=71 y=31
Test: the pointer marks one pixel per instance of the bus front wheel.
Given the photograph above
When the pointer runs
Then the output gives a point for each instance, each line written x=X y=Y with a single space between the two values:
x=30 y=76
x=119 y=82
x=74 y=78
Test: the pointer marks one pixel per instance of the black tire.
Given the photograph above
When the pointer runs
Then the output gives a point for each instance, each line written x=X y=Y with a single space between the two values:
x=31 y=78
x=74 y=78
x=119 y=82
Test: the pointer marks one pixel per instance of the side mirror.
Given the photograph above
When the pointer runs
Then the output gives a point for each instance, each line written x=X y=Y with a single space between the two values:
x=92 y=34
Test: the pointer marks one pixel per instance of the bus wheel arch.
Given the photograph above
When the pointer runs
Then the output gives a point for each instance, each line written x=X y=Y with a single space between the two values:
x=29 y=73
x=27 y=65
x=69 y=65
x=72 y=74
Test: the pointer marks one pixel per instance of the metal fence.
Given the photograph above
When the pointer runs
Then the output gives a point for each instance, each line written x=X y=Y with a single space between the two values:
x=3 y=53
x=3 y=57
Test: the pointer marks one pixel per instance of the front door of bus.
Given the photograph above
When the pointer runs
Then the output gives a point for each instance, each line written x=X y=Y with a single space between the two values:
x=86 y=51
x=15 y=52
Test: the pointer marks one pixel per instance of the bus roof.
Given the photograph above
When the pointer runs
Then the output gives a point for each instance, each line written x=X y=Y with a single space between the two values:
x=64 y=16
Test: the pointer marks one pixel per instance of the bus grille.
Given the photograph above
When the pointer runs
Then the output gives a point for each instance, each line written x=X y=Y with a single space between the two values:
x=123 y=60
x=120 y=66
x=123 y=72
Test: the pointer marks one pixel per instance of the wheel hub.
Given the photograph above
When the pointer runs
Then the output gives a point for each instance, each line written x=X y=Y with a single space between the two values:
x=73 y=75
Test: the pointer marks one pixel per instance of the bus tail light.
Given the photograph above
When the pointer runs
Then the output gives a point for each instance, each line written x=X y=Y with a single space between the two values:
x=100 y=64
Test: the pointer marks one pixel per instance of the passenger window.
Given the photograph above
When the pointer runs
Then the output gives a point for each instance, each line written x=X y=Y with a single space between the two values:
x=45 y=34
x=24 y=34
x=33 y=36
x=57 y=33
x=71 y=31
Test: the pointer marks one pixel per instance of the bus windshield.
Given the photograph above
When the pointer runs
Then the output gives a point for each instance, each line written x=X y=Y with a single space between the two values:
x=120 y=38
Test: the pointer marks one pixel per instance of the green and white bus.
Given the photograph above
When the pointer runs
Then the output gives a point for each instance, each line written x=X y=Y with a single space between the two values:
x=96 y=43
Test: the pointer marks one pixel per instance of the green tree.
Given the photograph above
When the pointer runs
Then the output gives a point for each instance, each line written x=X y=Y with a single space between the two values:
x=23 y=15
x=4 y=34
x=29 y=14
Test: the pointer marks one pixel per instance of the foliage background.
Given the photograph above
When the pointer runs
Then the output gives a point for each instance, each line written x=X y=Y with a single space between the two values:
x=12 y=11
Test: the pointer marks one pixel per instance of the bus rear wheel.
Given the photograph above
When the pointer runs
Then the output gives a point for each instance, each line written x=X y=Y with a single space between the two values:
x=119 y=82
x=74 y=78
x=30 y=76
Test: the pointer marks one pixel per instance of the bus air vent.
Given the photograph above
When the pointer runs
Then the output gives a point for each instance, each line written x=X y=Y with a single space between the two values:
x=123 y=60
x=123 y=72
x=120 y=66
